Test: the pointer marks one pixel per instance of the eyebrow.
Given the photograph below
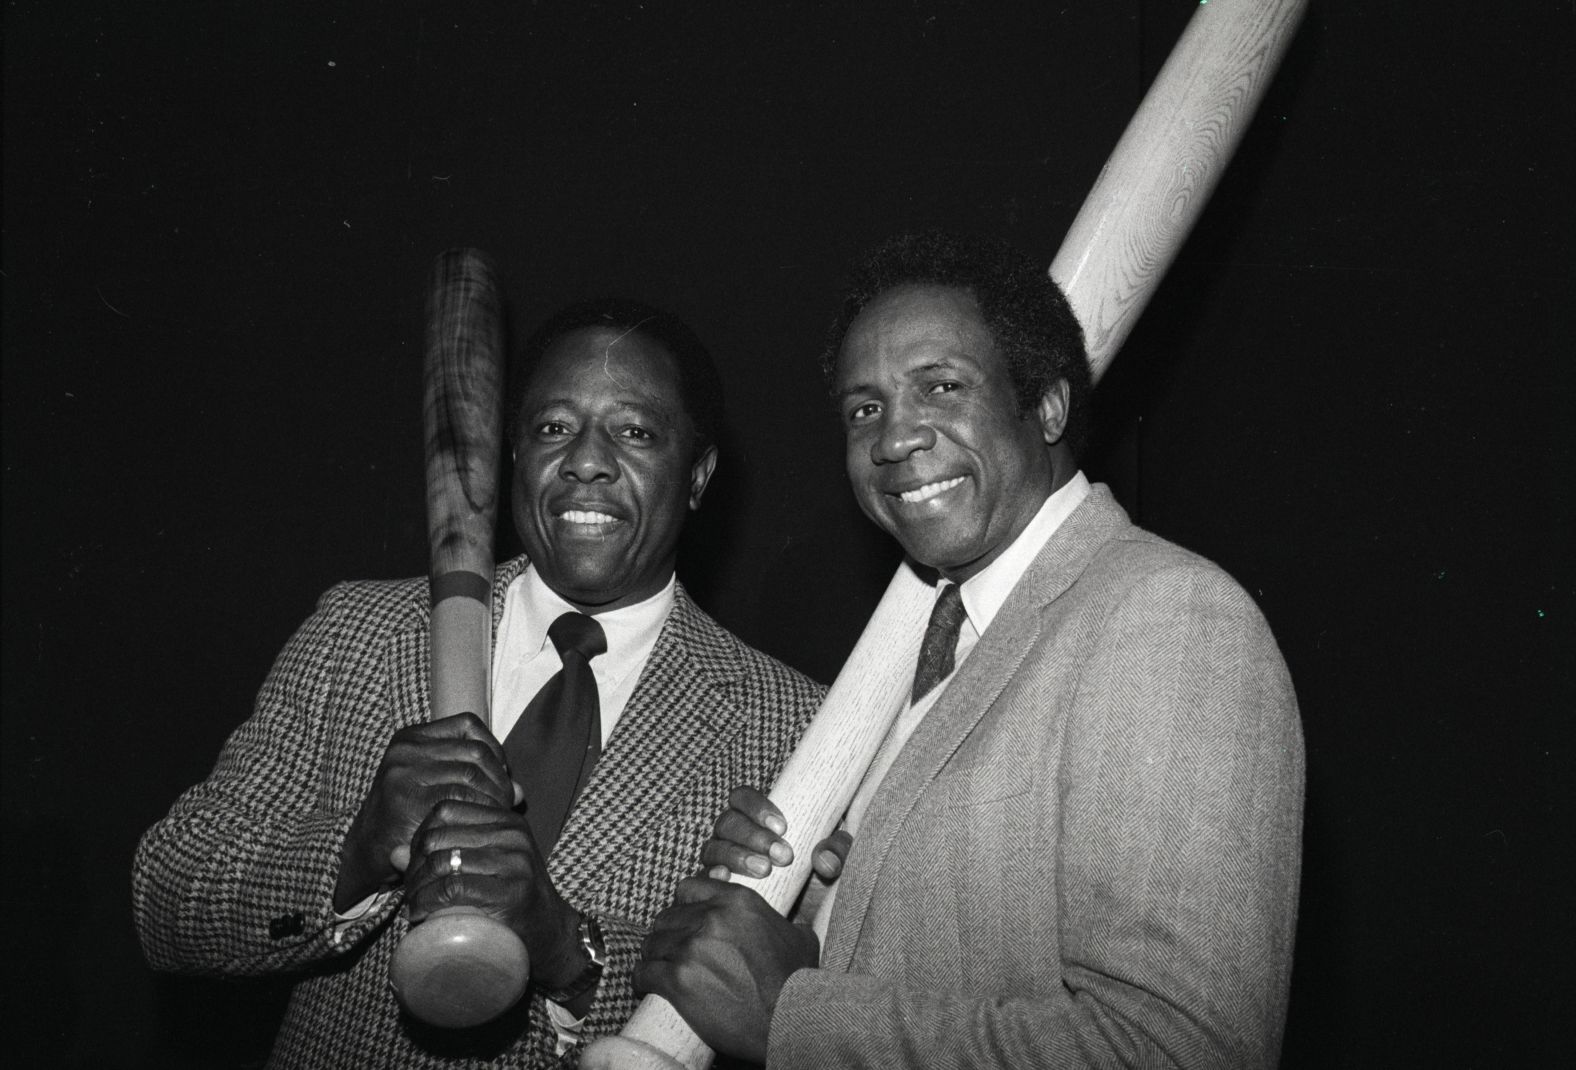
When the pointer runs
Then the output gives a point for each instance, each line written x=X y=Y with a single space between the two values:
x=934 y=366
x=634 y=404
x=929 y=367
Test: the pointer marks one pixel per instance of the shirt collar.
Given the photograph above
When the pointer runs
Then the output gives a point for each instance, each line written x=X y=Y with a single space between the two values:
x=628 y=628
x=986 y=592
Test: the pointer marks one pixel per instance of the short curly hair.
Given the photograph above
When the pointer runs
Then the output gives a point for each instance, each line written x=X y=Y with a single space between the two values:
x=1026 y=313
x=700 y=385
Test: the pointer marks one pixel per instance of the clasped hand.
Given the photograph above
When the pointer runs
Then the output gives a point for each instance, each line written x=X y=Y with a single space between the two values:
x=720 y=954
x=444 y=785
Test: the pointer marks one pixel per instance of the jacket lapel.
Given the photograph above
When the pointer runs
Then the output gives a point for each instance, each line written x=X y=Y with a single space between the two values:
x=675 y=718
x=967 y=698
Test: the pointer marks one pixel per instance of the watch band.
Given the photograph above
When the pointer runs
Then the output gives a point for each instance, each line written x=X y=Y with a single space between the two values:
x=595 y=949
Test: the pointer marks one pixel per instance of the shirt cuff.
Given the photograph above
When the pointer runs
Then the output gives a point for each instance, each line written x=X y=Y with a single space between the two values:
x=343 y=921
x=566 y=1025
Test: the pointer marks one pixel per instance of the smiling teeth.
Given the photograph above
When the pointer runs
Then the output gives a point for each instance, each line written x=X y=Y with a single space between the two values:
x=582 y=516
x=930 y=490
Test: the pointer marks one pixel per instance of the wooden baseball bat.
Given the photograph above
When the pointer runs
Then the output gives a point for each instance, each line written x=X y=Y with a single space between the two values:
x=1157 y=180
x=1145 y=201
x=461 y=967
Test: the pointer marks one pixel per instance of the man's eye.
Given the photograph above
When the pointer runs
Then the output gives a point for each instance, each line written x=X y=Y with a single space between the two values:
x=552 y=429
x=863 y=412
x=639 y=434
x=946 y=386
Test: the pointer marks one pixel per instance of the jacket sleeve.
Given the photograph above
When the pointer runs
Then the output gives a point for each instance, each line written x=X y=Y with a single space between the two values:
x=1177 y=809
x=238 y=879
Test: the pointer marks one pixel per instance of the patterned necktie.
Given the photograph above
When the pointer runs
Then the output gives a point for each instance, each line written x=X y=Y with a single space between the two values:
x=940 y=643
x=557 y=740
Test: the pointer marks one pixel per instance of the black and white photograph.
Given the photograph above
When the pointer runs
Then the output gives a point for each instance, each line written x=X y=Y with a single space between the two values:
x=631 y=534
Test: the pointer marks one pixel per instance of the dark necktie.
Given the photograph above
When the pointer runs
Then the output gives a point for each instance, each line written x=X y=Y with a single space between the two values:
x=557 y=740
x=940 y=643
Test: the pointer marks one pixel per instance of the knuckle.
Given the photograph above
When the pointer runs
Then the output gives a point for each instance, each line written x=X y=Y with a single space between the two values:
x=457 y=799
x=477 y=780
x=475 y=751
x=451 y=888
x=452 y=809
x=685 y=975
x=423 y=842
x=472 y=725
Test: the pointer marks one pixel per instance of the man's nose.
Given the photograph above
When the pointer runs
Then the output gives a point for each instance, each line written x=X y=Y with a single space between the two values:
x=902 y=435
x=589 y=460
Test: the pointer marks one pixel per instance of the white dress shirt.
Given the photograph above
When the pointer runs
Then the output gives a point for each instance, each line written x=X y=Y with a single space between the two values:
x=524 y=658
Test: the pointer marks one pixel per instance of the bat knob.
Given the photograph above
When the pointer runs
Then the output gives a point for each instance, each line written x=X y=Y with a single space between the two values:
x=459 y=968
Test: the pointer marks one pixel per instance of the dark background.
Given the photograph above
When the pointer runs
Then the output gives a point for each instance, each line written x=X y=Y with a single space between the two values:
x=1353 y=391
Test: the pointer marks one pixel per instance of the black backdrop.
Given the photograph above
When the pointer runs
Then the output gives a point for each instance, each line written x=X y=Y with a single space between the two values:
x=1353 y=392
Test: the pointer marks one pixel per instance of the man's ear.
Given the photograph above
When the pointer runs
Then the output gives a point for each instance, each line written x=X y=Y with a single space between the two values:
x=700 y=475
x=1051 y=411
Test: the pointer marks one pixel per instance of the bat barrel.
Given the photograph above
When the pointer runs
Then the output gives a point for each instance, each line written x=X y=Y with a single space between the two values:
x=460 y=967
x=1157 y=180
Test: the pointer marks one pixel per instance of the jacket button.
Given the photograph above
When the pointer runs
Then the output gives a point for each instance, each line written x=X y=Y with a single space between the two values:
x=287 y=925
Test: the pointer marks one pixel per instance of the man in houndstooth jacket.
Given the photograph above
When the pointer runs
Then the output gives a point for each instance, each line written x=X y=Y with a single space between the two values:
x=280 y=862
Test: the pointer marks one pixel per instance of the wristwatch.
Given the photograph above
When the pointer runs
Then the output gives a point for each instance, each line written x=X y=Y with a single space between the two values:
x=595 y=949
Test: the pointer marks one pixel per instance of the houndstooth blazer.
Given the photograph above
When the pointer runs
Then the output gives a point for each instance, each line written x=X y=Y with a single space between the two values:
x=1088 y=852
x=238 y=879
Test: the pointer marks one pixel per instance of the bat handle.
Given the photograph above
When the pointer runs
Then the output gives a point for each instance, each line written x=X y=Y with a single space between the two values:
x=459 y=968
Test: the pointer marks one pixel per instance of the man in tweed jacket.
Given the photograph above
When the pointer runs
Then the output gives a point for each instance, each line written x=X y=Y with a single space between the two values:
x=279 y=863
x=1081 y=848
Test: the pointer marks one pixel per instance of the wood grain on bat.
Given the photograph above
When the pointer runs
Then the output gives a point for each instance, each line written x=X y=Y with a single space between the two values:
x=464 y=417
x=1166 y=164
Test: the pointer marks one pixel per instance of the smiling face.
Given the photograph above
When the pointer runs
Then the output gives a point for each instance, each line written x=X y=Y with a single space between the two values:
x=937 y=452
x=604 y=467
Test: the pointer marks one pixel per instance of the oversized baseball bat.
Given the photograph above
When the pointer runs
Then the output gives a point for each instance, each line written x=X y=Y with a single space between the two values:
x=461 y=967
x=1130 y=228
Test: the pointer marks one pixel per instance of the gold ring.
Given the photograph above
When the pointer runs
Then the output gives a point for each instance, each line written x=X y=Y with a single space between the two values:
x=454 y=860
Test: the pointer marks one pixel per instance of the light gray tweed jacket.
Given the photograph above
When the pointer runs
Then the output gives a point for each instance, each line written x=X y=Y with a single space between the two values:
x=238 y=879
x=1088 y=852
